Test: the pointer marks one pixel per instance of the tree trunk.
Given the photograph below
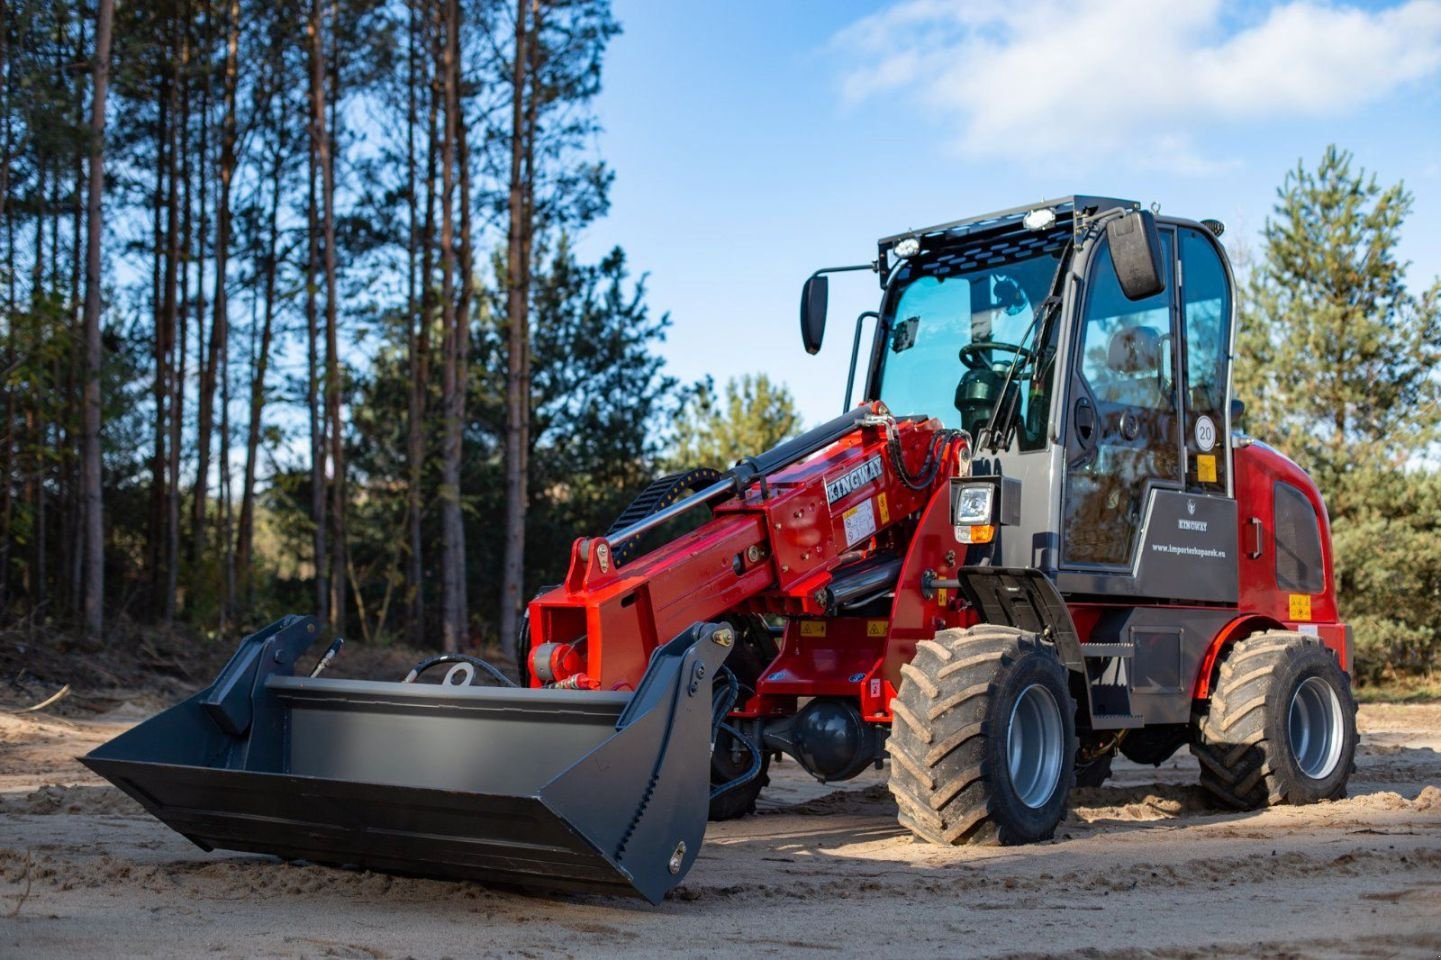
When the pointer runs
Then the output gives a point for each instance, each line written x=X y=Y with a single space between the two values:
x=312 y=319
x=517 y=389
x=36 y=422
x=333 y=385
x=179 y=357
x=198 y=494
x=418 y=338
x=455 y=617
x=7 y=512
x=218 y=348
x=155 y=523
x=165 y=337
x=223 y=488
x=74 y=369
x=246 y=537
x=94 y=527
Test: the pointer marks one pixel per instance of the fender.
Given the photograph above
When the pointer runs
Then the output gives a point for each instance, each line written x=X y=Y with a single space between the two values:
x=1025 y=598
x=1240 y=628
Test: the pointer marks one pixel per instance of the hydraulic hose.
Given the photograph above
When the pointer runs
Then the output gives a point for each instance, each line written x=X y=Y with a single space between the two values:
x=725 y=698
x=493 y=671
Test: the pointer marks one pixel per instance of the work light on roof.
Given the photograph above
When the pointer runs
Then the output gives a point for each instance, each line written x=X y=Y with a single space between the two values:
x=1039 y=219
x=907 y=248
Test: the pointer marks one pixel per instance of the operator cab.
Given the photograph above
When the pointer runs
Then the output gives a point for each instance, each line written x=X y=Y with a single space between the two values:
x=1084 y=345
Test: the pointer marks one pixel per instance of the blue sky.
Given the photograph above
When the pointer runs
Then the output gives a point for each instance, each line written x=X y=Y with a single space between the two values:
x=756 y=141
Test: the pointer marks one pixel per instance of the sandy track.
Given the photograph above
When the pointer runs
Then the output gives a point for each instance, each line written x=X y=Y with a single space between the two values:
x=1143 y=867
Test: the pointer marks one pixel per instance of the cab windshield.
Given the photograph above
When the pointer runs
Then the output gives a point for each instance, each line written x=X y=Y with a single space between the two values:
x=952 y=325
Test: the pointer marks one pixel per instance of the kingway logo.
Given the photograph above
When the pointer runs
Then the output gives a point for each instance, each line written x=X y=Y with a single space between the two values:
x=838 y=487
x=1196 y=526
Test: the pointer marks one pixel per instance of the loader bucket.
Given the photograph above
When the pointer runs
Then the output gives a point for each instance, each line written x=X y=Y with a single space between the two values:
x=550 y=789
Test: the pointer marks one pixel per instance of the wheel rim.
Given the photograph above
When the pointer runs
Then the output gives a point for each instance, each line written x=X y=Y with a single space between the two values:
x=1315 y=726
x=1035 y=744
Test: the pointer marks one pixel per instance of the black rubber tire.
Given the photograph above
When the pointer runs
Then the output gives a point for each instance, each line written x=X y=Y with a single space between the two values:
x=950 y=772
x=755 y=649
x=1243 y=741
x=1094 y=773
x=1154 y=745
x=740 y=802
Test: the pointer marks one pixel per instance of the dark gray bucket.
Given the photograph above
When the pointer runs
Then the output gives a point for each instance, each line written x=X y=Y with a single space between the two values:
x=554 y=789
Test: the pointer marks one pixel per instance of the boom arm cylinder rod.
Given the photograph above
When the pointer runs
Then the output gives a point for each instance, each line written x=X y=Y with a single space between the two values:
x=777 y=458
x=706 y=495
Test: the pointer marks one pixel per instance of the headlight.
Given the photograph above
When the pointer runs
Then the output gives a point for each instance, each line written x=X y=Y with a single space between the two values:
x=972 y=513
x=973 y=505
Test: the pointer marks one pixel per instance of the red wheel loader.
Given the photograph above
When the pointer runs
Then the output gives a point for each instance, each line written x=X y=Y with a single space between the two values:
x=1037 y=541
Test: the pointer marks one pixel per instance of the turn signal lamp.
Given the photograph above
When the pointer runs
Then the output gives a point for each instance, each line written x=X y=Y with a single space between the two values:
x=979 y=533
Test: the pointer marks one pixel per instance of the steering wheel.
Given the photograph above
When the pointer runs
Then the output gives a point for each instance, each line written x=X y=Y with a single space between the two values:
x=973 y=355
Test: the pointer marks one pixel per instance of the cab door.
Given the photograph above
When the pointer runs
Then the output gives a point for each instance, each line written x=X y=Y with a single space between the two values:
x=1146 y=510
x=1123 y=439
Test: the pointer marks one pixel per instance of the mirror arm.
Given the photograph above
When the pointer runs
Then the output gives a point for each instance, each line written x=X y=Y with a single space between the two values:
x=873 y=267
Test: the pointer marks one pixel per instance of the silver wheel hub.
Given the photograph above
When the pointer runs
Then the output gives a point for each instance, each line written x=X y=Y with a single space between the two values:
x=1035 y=745
x=1315 y=728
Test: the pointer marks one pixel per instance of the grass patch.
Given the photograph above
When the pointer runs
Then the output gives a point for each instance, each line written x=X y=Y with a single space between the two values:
x=1400 y=691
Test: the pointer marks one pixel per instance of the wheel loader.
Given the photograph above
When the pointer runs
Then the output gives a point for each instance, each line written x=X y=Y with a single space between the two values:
x=1037 y=541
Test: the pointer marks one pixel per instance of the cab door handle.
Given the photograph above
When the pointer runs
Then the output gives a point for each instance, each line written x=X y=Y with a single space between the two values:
x=1085 y=420
x=1257 y=544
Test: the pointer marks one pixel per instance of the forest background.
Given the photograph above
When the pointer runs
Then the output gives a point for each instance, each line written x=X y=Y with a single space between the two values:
x=316 y=263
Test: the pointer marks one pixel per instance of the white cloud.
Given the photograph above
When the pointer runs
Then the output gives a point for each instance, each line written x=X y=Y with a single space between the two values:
x=1091 y=75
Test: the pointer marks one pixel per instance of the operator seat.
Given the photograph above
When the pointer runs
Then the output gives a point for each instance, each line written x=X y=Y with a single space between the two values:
x=976 y=396
x=1134 y=361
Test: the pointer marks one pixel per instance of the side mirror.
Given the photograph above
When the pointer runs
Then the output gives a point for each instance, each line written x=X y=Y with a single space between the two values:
x=1136 y=254
x=813 y=312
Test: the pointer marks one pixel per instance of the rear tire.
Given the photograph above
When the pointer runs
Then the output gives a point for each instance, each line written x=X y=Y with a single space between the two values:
x=983 y=742
x=1281 y=726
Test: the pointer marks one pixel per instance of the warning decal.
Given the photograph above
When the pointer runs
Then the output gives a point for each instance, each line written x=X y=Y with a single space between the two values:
x=860 y=522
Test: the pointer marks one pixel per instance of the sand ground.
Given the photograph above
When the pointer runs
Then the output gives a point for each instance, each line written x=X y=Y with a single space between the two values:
x=1142 y=868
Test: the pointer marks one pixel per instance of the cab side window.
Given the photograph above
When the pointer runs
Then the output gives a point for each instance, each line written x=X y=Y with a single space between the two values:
x=1298 y=542
x=1206 y=312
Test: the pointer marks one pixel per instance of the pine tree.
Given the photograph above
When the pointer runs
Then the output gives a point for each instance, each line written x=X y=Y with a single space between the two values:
x=1336 y=362
x=753 y=416
x=1336 y=355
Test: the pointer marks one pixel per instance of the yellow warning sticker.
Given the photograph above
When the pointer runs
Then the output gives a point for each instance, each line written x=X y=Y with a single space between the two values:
x=1300 y=606
x=1206 y=467
x=876 y=628
x=813 y=628
x=884 y=507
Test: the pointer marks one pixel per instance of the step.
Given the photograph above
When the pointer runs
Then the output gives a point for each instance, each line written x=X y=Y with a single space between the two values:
x=1108 y=650
x=1116 y=721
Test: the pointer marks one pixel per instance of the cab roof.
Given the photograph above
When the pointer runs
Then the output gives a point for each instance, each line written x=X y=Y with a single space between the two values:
x=1065 y=208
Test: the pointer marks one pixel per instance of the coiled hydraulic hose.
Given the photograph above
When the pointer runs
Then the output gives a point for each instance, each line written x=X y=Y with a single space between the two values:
x=492 y=670
x=725 y=699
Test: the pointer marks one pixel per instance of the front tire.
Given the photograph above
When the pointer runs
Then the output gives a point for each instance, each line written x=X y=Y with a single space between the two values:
x=983 y=742
x=1094 y=772
x=1281 y=726
x=754 y=650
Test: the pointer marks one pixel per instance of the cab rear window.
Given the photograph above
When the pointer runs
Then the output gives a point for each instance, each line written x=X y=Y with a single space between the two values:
x=1298 y=542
